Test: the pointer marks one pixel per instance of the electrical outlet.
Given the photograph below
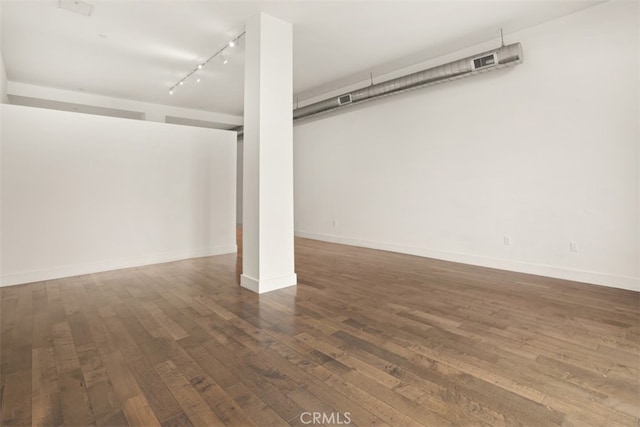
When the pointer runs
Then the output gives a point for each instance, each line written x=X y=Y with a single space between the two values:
x=573 y=246
x=333 y=223
x=507 y=240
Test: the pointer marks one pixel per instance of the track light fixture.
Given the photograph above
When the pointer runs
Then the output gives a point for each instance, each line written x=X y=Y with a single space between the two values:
x=200 y=66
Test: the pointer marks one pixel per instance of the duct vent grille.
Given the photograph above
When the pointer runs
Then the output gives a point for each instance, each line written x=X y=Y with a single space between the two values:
x=344 y=99
x=484 y=61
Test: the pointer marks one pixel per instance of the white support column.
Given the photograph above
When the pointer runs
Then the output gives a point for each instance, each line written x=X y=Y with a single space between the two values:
x=267 y=243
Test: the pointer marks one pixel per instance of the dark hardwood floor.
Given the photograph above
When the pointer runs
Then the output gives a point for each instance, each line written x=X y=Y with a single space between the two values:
x=370 y=337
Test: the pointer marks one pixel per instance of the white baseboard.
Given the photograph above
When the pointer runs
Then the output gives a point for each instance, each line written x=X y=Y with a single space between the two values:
x=107 y=265
x=593 y=277
x=267 y=285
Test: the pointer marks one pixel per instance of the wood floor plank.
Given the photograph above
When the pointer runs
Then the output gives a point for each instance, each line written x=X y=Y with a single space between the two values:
x=262 y=382
x=309 y=370
x=254 y=407
x=8 y=306
x=41 y=325
x=211 y=392
x=158 y=395
x=199 y=413
x=15 y=409
x=146 y=378
x=139 y=412
x=165 y=322
x=180 y=420
x=216 y=370
x=388 y=338
x=19 y=359
x=45 y=400
x=76 y=407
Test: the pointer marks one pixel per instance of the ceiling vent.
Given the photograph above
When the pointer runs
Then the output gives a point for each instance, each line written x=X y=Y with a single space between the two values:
x=484 y=61
x=76 y=6
x=345 y=99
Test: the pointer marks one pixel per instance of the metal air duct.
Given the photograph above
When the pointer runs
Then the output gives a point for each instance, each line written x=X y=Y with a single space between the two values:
x=496 y=59
x=490 y=60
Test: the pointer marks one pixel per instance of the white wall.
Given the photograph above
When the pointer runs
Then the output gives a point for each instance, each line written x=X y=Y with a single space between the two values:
x=84 y=193
x=3 y=71
x=545 y=152
x=3 y=82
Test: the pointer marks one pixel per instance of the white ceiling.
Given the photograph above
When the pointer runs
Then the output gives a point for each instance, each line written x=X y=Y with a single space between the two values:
x=138 y=49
